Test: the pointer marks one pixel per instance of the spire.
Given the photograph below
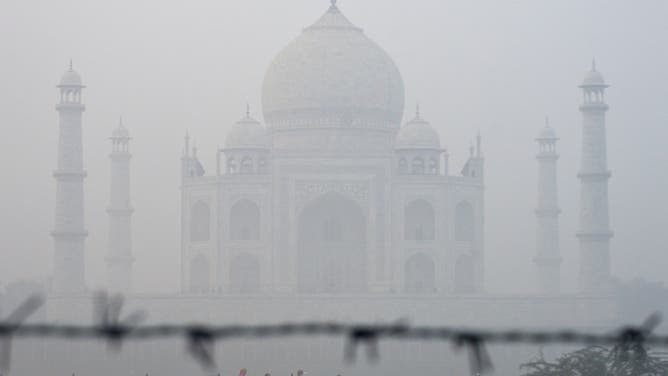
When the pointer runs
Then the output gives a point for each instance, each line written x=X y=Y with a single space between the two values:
x=247 y=110
x=417 y=110
x=186 y=141
x=593 y=64
x=194 y=149
x=478 y=145
x=547 y=121
x=71 y=69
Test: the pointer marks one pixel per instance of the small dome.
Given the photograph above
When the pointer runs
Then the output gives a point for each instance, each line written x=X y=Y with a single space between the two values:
x=247 y=133
x=593 y=77
x=547 y=133
x=417 y=134
x=120 y=131
x=70 y=78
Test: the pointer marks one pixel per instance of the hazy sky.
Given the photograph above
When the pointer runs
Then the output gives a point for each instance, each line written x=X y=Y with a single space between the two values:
x=495 y=66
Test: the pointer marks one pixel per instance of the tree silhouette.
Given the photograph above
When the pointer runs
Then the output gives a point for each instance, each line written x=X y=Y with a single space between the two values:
x=621 y=360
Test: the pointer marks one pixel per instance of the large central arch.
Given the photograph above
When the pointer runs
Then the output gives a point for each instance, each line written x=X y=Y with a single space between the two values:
x=332 y=254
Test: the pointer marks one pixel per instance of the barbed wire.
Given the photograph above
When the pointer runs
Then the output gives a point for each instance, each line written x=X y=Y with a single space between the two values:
x=200 y=338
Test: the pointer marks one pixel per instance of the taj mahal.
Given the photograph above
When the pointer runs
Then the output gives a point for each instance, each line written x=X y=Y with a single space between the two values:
x=332 y=208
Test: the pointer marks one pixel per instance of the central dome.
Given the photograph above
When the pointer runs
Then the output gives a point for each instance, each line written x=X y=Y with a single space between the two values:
x=332 y=75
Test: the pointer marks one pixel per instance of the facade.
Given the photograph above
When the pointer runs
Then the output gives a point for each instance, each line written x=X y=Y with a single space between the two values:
x=594 y=234
x=548 y=259
x=69 y=233
x=332 y=195
x=119 y=253
x=332 y=210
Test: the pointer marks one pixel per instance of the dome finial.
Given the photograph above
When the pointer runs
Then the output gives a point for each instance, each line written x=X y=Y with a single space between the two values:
x=547 y=121
x=120 y=121
x=417 y=110
x=71 y=69
x=333 y=2
x=593 y=64
x=247 y=110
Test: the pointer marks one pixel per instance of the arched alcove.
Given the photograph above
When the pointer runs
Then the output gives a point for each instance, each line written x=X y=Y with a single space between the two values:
x=246 y=166
x=417 y=166
x=403 y=166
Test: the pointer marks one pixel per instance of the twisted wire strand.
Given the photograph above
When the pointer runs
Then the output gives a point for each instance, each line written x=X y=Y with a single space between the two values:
x=377 y=331
x=201 y=338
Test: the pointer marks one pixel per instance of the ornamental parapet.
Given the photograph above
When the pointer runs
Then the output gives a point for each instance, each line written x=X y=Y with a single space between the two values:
x=66 y=174
x=71 y=107
x=69 y=234
x=593 y=107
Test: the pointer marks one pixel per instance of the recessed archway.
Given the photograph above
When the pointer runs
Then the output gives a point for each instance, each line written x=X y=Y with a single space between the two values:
x=332 y=254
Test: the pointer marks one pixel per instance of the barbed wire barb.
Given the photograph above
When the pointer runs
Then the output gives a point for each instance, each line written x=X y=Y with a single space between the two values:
x=12 y=323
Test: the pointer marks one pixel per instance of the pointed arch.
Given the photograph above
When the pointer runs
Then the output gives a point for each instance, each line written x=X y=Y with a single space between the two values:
x=403 y=166
x=200 y=222
x=417 y=166
x=245 y=221
x=464 y=222
x=246 y=165
x=419 y=221
x=231 y=165
x=420 y=275
x=433 y=166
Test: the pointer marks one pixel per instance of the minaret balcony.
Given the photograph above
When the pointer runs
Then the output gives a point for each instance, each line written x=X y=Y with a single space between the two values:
x=69 y=174
x=594 y=175
x=595 y=235
x=69 y=234
x=71 y=106
x=594 y=106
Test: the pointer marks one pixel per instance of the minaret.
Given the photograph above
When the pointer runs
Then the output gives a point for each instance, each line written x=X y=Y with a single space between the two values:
x=547 y=260
x=119 y=257
x=69 y=233
x=594 y=234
